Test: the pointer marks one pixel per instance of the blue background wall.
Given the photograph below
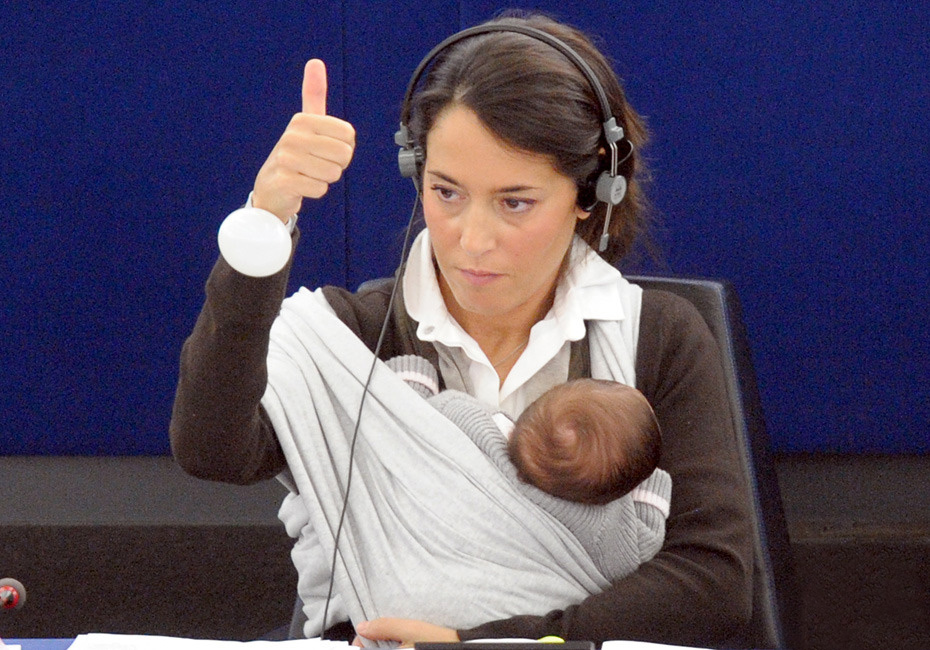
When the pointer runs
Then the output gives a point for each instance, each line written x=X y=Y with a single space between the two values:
x=790 y=155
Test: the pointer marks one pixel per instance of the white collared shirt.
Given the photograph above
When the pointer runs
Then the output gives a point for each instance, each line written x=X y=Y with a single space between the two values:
x=592 y=289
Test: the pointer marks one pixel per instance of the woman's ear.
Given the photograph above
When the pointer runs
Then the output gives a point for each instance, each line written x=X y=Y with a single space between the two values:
x=582 y=213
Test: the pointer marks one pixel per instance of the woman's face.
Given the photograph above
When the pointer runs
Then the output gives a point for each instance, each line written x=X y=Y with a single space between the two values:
x=501 y=221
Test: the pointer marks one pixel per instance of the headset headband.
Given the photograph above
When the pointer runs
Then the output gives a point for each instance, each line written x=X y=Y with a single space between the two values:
x=532 y=32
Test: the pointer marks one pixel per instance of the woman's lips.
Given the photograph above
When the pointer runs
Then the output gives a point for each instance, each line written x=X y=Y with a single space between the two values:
x=478 y=278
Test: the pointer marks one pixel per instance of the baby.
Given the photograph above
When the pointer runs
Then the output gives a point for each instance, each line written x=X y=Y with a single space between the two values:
x=586 y=451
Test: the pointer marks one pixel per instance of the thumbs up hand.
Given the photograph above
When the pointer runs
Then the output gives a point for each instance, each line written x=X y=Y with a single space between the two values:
x=312 y=153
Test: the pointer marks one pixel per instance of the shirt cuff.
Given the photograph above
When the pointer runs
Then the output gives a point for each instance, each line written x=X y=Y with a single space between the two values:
x=291 y=222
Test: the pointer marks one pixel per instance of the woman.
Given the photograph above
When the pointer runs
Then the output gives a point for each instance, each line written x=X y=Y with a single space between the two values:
x=499 y=288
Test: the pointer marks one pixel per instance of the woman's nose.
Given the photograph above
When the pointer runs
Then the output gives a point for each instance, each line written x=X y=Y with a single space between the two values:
x=477 y=236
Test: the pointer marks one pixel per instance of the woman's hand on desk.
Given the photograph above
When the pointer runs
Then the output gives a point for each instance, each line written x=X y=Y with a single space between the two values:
x=404 y=630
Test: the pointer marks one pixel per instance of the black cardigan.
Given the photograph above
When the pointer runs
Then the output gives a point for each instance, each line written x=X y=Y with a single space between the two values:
x=696 y=591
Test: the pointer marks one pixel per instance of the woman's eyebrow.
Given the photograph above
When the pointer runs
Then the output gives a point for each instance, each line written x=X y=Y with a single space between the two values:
x=443 y=177
x=501 y=190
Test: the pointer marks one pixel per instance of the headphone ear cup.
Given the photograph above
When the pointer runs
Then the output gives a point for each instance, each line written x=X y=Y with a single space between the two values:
x=409 y=157
x=610 y=189
x=601 y=187
x=409 y=160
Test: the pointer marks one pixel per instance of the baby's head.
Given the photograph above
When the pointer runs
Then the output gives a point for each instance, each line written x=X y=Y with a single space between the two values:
x=587 y=440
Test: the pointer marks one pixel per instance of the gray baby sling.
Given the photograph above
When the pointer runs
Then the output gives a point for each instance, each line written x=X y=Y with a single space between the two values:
x=433 y=530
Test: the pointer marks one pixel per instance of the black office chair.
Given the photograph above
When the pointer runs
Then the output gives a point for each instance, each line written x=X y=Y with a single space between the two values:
x=774 y=613
x=773 y=606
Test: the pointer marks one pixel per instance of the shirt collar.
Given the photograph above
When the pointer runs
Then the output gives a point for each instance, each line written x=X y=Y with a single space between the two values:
x=588 y=291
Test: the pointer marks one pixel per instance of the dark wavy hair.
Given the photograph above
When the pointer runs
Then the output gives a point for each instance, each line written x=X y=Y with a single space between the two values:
x=534 y=98
x=587 y=440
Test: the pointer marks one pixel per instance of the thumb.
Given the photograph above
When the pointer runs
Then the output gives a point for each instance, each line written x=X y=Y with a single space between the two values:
x=314 y=87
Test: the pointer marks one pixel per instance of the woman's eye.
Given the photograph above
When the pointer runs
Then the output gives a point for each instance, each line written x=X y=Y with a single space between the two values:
x=445 y=193
x=518 y=205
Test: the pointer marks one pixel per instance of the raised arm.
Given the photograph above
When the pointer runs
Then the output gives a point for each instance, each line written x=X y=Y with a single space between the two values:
x=218 y=429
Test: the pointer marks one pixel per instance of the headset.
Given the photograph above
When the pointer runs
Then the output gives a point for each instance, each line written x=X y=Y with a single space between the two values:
x=610 y=187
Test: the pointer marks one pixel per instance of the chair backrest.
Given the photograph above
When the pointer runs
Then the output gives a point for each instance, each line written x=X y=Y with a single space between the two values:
x=774 y=614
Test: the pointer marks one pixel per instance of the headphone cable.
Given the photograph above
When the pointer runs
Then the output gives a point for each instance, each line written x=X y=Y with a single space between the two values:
x=398 y=277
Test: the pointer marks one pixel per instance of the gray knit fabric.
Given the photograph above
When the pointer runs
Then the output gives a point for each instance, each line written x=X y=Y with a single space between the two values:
x=619 y=536
x=419 y=373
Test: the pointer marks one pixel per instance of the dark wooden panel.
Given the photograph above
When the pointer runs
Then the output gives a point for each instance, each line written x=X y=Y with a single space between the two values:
x=225 y=582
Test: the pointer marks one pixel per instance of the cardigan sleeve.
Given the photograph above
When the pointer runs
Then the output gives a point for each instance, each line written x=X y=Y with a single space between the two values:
x=697 y=589
x=218 y=430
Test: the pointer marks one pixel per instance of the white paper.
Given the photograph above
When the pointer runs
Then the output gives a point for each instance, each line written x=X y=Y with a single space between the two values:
x=146 y=642
x=643 y=645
